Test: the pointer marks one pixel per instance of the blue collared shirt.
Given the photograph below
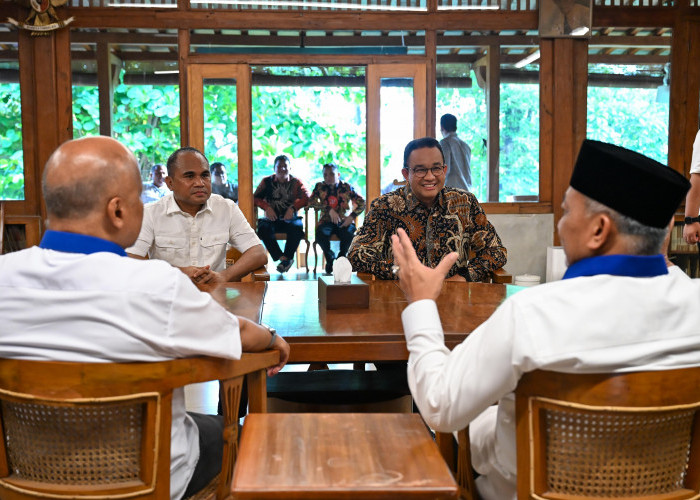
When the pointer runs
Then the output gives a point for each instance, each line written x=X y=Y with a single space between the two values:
x=635 y=266
x=78 y=243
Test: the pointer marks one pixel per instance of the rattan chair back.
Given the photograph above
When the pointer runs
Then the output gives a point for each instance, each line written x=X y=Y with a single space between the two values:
x=622 y=436
x=102 y=430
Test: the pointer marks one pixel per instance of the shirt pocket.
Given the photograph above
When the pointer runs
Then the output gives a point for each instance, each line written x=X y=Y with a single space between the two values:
x=170 y=247
x=213 y=240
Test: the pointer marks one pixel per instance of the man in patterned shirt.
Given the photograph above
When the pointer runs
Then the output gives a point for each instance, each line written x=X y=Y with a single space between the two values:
x=331 y=198
x=280 y=195
x=437 y=219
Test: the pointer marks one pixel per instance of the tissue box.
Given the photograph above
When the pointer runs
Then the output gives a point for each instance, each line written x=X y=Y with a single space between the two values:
x=351 y=295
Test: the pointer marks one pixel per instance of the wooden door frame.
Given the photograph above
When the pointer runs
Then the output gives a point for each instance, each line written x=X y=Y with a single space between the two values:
x=237 y=66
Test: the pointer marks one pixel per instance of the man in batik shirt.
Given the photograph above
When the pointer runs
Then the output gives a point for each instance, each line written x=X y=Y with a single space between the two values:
x=331 y=199
x=437 y=219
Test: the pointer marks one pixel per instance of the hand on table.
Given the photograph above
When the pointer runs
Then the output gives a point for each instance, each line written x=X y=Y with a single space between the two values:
x=417 y=281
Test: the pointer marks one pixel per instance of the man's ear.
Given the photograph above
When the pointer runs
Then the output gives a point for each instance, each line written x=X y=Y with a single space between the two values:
x=404 y=171
x=115 y=212
x=169 y=182
x=601 y=231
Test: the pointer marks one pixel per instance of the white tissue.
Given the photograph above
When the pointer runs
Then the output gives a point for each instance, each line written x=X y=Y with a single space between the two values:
x=342 y=270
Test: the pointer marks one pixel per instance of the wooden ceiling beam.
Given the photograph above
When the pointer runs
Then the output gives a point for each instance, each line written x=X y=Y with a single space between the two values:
x=109 y=17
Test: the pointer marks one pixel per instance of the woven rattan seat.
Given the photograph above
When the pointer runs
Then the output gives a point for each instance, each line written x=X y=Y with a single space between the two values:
x=102 y=430
x=604 y=436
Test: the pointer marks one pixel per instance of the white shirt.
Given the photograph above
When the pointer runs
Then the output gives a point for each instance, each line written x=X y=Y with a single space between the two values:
x=172 y=235
x=590 y=324
x=458 y=157
x=150 y=192
x=695 y=160
x=104 y=307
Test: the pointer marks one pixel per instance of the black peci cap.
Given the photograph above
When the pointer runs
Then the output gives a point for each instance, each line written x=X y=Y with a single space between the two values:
x=629 y=183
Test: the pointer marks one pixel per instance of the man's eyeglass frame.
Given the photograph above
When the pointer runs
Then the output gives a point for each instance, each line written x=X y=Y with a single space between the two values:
x=421 y=172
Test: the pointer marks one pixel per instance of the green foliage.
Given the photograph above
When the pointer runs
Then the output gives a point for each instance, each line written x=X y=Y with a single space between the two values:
x=11 y=157
x=146 y=118
x=630 y=118
x=316 y=125
x=313 y=126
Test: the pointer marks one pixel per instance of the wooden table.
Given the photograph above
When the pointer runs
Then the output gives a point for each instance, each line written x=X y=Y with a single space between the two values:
x=339 y=455
x=346 y=335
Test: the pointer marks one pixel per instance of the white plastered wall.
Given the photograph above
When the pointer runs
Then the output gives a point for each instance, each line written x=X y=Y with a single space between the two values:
x=526 y=237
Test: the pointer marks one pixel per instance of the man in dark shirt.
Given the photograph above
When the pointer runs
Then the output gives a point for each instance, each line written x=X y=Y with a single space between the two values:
x=280 y=195
x=437 y=219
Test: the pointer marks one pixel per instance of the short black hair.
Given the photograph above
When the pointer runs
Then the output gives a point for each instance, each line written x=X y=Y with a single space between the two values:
x=215 y=165
x=331 y=165
x=172 y=159
x=281 y=157
x=423 y=142
x=448 y=122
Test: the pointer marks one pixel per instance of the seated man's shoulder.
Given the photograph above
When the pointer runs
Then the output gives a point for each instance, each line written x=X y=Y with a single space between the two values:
x=457 y=197
x=390 y=202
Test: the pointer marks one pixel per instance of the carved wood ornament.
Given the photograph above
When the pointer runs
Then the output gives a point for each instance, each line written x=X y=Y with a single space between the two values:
x=42 y=17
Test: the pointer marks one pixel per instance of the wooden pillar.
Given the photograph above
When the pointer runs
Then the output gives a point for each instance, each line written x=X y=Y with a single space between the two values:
x=47 y=118
x=493 y=97
x=431 y=79
x=685 y=91
x=107 y=75
x=183 y=49
x=563 y=87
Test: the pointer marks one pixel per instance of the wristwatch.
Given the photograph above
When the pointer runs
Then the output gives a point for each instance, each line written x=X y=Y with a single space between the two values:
x=691 y=220
x=273 y=334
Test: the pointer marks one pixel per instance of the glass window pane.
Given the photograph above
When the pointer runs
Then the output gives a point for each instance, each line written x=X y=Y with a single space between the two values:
x=11 y=153
x=628 y=105
x=221 y=134
x=459 y=94
x=519 y=124
x=396 y=128
x=314 y=115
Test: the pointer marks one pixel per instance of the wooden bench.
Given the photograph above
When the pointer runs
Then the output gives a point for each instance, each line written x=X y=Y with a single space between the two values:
x=339 y=456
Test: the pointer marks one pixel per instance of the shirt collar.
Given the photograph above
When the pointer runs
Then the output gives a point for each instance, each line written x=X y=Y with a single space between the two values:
x=634 y=266
x=173 y=207
x=412 y=202
x=78 y=243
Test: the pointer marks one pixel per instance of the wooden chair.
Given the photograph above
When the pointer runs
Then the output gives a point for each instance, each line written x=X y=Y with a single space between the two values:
x=623 y=436
x=102 y=430
x=259 y=274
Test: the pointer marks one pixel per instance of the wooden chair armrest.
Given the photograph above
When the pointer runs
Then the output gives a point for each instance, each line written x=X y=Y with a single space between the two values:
x=260 y=274
x=365 y=276
x=501 y=276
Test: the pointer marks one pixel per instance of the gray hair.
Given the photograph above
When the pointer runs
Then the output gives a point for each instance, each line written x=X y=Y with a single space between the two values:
x=72 y=201
x=641 y=239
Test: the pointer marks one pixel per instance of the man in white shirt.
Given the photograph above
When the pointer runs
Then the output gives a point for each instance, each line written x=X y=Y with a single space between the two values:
x=691 y=229
x=458 y=155
x=191 y=228
x=156 y=189
x=618 y=308
x=98 y=306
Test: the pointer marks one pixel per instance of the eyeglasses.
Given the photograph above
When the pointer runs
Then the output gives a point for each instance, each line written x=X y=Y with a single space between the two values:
x=421 y=172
